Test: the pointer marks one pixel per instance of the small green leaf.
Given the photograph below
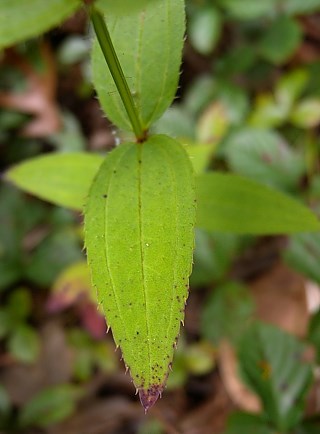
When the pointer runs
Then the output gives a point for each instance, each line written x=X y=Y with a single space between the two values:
x=289 y=32
x=231 y=203
x=264 y=156
x=19 y=305
x=227 y=313
x=274 y=368
x=246 y=423
x=290 y=87
x=50 y=406
x=249 y=9
x=296 y=7
x=63 y=179
x=308 y=427
x=139 y=236
x=307 y=113
x=213 y=256
x=24 y=344
x=150 y=63
x=314 y=333
x=267 y=112
x=303 y=254
x=52 y=255
x=204 y=29
x=4 y=401
x=22 y=19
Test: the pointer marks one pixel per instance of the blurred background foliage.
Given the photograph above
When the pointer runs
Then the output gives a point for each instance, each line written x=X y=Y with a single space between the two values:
x=247 y=359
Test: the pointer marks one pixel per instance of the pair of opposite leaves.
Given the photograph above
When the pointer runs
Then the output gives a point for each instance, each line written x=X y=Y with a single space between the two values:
x=140 y=213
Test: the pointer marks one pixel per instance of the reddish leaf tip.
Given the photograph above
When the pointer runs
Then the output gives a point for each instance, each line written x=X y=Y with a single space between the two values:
x=150 y=396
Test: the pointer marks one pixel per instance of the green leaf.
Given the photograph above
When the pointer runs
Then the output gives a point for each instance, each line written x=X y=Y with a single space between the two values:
x=175 y=122
x=205 y=29
x=314 y=333
x=227 y=313
x=249 y=9
x=50 y=406
x=231 y=203
x=213 y=256
x=246 y=423
x=307 y=113
x=296 y=7
x=18 y=215
x=274 y=368
x=267 y=112
x=19 y=305
x=289 y=32
x=52 y=255
x=149 y=47
x=308 y=427
x=264 y=156
x=22 y=19
x=4 y=401
x=63 y=179
x=24 y=344
x=290 y=87
x=124 y=7
x=139 y=236
x=303 y=254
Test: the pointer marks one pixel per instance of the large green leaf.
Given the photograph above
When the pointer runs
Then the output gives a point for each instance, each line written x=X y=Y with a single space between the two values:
x=139 y=236
x=261 y=210
x=231 y=203
x=63 y=179
x=124 y=7
x=275 y=369
x=149 y=47
x=22 y=19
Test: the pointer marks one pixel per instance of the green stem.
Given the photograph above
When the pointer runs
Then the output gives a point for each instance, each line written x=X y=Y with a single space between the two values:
x=112 y=60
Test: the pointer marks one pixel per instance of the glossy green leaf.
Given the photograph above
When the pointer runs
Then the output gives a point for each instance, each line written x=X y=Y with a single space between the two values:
x=63 y=179
x=227 y=313
x=289 y=32
x=22 y=19
x=149 y=47
x=231 y=203
x=139 y=236
x=275 y=369
x=246 y=423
